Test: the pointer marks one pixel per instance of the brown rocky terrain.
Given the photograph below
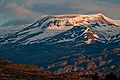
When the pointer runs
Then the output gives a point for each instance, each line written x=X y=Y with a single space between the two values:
x=11 y=71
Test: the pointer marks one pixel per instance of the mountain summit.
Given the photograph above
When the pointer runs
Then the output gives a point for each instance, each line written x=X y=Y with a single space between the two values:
x=79 y=19
x=67 y=21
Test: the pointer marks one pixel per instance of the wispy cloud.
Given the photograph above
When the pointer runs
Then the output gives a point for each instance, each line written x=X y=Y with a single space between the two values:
x=17 y=9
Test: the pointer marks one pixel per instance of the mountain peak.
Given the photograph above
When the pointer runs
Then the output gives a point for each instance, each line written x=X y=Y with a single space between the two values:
x=60 y=22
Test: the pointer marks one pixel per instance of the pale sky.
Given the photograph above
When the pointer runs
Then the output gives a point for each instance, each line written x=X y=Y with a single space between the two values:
x=26 y=11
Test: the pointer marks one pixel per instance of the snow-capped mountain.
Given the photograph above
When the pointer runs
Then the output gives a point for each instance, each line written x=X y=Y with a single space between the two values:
x=56 y=36
x=53 y=25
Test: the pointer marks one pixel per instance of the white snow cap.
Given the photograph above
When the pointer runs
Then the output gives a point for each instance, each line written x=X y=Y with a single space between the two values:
x=78 y=19
x=90 y=16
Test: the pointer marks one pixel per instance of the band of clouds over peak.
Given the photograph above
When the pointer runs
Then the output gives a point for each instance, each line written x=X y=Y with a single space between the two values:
x=19 y=9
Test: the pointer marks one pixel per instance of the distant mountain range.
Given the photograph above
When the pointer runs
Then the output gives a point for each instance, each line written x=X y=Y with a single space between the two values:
x=64 y=43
